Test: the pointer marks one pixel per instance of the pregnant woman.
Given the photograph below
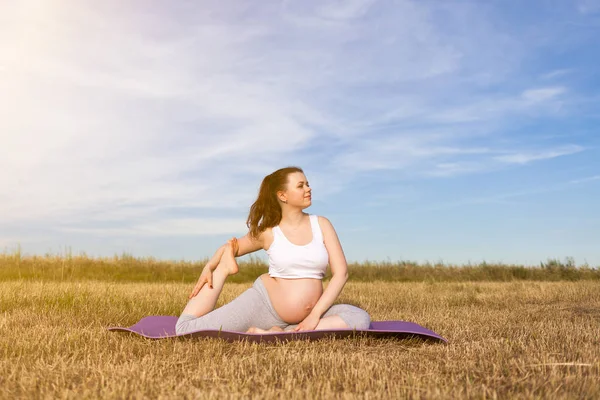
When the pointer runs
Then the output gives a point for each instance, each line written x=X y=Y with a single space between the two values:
x=290 y=296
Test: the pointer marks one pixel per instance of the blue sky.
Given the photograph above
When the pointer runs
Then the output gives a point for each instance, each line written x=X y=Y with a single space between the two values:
x=454 y=131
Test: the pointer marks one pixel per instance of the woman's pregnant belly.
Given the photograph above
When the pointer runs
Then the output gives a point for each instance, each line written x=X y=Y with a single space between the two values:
x=293 y=299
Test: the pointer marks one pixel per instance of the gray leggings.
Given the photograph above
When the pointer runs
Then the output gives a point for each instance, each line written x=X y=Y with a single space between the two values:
x=253 y=308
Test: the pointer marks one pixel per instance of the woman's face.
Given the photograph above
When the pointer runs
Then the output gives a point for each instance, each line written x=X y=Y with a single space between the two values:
x=298 y=191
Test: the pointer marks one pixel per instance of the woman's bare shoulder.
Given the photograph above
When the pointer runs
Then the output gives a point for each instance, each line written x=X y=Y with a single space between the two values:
x=326 y=227
x=323 y=221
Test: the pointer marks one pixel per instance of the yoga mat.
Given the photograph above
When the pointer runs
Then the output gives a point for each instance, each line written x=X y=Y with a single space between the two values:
x=163 y=326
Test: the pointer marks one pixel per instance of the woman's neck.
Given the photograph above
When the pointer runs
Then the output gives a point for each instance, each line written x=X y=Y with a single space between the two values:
x=292 y=218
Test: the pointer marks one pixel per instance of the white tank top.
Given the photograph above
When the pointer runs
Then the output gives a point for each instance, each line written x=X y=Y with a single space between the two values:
x=290 y=261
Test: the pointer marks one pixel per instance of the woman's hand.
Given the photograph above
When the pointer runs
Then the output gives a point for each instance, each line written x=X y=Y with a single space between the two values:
x=206 y=277
x=308 y=324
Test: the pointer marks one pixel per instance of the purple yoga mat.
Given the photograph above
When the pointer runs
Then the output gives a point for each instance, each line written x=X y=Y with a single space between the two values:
x=163 y=326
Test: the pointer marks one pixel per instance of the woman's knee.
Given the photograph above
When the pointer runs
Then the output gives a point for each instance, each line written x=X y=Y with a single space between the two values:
x=363 y=319
x=354 y=317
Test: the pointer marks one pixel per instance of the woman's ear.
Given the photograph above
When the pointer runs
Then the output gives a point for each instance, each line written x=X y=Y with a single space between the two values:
x=281 y=197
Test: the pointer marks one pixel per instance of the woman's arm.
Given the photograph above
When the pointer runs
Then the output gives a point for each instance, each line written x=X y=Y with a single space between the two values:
x=339 y=268
x=247 y=244
x=241 y=246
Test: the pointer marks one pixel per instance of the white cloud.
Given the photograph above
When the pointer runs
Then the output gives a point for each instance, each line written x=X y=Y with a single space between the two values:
x=586 y=179
x=456 y=168
x=499 y=198
x=542 y=94
x=414 y=153
x=557 y=73
x=493 y=107
x=527 y=157
x=172 y=227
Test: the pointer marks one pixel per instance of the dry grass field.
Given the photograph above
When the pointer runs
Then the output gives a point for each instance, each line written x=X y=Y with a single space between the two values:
x=519 y=339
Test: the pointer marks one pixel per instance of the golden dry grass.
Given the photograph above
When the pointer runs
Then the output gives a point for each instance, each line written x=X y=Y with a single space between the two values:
x=506 y=340
x=126 y=268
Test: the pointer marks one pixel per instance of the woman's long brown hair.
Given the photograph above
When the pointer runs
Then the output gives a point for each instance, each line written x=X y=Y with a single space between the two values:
x=266 y=211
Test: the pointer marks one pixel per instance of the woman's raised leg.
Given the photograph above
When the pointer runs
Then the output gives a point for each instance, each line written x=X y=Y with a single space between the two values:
x=247 y=310
x=206 y=299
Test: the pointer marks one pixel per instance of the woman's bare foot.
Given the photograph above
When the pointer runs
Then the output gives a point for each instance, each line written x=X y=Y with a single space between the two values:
x=228 y=259
x=254 y=329
x=231 y=266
